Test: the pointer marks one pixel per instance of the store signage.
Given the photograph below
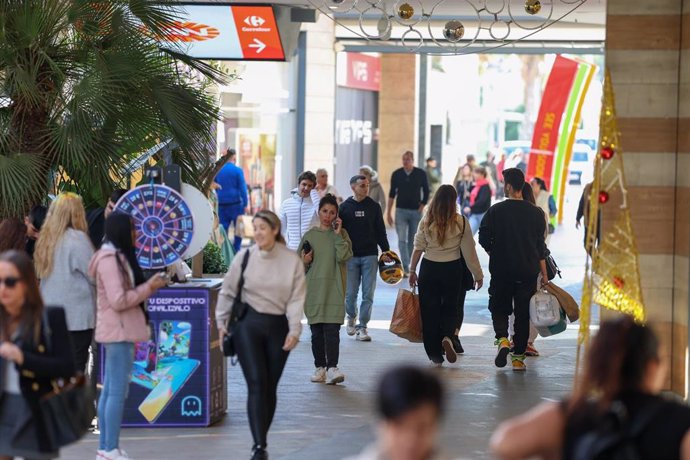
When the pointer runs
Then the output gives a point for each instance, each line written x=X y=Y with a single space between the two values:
x=227 y=32
x=359 y=71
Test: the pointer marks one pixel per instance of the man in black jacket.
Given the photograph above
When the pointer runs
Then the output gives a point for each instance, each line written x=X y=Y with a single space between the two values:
x=512 y=233
x=409 y=193
x=363 y=220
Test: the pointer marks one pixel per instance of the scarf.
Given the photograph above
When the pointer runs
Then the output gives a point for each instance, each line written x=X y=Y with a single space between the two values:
x=475 y=191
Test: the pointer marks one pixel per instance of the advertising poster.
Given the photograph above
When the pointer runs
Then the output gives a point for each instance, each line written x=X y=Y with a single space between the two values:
x=172 y=376
x=257 y=158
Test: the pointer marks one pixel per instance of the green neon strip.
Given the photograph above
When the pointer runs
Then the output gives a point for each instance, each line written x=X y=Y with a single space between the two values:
x=559 y=166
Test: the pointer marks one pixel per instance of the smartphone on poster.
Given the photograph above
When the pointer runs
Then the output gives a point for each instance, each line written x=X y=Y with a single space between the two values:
x=174 y=338
x=170 y=382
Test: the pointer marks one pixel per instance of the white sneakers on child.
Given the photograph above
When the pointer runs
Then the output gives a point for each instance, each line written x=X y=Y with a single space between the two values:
x=319 y=375
x=115 y=454
x=333 y=376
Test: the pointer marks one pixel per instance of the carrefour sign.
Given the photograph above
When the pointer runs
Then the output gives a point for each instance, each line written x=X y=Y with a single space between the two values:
x=233 y=32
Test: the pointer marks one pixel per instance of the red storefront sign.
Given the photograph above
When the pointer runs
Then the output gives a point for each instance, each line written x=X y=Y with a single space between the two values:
x=548 y=124
x=258 y=32
x=362 y=72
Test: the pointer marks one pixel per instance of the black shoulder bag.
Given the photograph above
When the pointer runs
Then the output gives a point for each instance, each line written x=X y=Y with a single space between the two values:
x=239 y=309
x=551 y=266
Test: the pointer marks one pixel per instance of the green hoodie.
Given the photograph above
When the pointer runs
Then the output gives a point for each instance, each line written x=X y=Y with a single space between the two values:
x=327 y=275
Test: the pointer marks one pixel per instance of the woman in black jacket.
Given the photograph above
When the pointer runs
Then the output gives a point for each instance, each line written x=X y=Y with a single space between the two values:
x=28 y=364
x=480 y=199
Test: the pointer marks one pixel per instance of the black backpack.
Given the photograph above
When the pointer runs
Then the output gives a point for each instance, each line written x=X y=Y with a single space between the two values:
x=615 y=437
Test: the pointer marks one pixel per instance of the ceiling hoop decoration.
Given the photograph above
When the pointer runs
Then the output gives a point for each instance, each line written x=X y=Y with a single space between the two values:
x=410 y=24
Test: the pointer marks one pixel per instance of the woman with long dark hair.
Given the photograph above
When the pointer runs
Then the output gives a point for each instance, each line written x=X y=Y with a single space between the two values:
x=444 y=237
x=623 y=375
x=121 y=321
x=28 y=362
x=274 y=292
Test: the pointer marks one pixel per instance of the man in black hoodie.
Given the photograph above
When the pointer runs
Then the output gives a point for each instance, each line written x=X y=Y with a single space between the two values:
x=363 y=220
x=512 y=233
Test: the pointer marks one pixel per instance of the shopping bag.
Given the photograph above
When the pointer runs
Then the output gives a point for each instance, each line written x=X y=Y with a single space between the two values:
x=544 y=309
x=407 y=319
x=560 y=326
x=566 y=301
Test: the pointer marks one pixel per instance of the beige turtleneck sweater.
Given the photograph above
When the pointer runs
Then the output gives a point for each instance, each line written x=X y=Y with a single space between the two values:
x=274 y=284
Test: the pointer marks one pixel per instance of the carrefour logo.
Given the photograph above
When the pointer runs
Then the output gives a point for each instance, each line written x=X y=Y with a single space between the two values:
x=254 y=21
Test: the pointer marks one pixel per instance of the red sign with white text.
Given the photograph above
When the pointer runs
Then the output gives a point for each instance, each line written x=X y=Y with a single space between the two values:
x=554 y=100
x=363 y=72
x=258 y=32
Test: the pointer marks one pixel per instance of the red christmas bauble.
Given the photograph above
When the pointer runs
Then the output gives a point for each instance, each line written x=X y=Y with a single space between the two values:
x=603 y=197
x=607 y=153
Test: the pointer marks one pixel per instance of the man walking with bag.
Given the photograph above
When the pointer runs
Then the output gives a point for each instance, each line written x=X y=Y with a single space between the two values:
x=512 y=233
x=363 y=220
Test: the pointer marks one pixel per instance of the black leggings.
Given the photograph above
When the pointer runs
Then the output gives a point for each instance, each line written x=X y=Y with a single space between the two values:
x=259 y=340
x=325 y=344
x=82 y=341
x=461 y=309
x=439 y=288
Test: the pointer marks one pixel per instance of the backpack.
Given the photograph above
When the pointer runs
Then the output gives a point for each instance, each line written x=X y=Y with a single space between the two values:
x=615 y=438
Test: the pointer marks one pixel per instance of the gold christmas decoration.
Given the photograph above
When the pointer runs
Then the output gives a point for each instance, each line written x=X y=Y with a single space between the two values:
x=406 y=11
x=612 y=272
x=453 y=31
x=532 y=6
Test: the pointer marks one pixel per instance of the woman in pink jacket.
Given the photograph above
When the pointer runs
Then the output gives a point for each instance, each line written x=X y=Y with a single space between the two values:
x=121 y=321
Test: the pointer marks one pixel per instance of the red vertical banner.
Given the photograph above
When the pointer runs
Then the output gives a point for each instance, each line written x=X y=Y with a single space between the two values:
x=547 y=128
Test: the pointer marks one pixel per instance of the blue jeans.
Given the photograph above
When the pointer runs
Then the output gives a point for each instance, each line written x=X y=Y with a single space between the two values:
x=475 y=222
x=406 y=222
x=227 y=215
x=361 y=269
x=119 y=358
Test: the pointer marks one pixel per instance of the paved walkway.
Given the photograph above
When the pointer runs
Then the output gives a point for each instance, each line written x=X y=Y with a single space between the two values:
x=317 y=422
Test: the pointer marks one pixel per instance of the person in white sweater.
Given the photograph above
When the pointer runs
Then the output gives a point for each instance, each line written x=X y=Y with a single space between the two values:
x=62 y=256
x=274 y=292
x=299 y=212
x=445 y=239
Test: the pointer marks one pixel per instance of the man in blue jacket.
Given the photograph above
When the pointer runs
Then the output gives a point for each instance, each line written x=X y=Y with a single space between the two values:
x=232 y=195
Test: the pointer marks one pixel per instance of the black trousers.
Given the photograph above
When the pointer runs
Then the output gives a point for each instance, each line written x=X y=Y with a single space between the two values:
x=325 y=344
x=461 y=308
x=259 y=340
x=439 y=288
x=503 y=294
x=81 y=340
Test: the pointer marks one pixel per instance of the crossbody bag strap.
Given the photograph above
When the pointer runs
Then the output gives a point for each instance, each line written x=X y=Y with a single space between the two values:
x=240 y=285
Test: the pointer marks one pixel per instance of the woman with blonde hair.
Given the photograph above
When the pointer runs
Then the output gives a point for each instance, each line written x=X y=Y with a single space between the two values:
x=464 y=183
x=445 y=238
x=63 y=253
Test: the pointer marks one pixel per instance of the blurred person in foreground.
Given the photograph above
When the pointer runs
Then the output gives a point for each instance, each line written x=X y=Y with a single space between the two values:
x=410 y=405
x=623 y=375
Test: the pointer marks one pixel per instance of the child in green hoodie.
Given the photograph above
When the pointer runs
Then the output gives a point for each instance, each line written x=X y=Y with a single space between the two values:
x=324 y=250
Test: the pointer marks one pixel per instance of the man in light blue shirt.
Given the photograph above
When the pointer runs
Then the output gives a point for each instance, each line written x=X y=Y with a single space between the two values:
x=232 y=195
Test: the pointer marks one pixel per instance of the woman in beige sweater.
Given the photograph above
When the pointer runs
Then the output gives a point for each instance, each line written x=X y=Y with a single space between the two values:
x=445 y=238
x=274 y=291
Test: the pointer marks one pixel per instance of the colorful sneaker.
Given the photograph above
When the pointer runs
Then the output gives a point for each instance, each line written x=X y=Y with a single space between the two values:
x=319 y=375
x=530 y=350
x=350 y=326
x=447 y=345
x=363 y=335
x=503 y=345
x=333 y=376
x=518 y=363
x=457 y=346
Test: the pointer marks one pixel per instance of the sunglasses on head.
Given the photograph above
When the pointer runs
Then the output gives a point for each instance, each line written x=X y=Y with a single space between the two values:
x=10 y=281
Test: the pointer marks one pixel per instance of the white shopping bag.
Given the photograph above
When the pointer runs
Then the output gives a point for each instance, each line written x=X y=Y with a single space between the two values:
x=544 y=309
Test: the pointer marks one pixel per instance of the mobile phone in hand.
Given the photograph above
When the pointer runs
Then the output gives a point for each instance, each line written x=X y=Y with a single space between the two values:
x=306 y=247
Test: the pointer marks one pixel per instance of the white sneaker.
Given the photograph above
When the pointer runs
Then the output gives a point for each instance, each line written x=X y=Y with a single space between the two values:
x=115 y=454
x=319 y=375
x=434 y=364
x=333 y=376
x=350 y=327
x=363 y=335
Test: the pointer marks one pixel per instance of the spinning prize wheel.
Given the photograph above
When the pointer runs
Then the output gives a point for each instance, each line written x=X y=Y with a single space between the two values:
x=163 y=222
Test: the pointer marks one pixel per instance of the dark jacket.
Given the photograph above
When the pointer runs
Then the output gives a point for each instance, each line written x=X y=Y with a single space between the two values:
x=409 y=190
x=363 y=221
x=483 y=201
x=512 y=233
x=43 y=362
